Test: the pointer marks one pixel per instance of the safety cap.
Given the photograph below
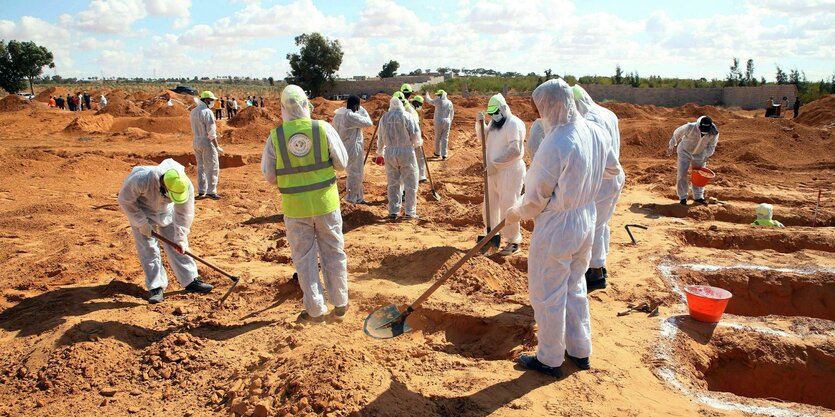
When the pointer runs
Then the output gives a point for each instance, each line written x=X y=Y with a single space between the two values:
x=419 y=99
x=495 y=104
x=208 y=94
x=177 y=185
x=578 y=92
x=399 y=95
x=440 y=92
x=406 y=88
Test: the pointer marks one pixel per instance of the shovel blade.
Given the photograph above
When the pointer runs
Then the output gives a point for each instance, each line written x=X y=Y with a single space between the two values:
x=382 y=324
x=436 y=196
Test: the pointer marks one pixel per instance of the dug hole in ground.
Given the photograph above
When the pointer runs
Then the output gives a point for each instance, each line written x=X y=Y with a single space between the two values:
x=78 y=337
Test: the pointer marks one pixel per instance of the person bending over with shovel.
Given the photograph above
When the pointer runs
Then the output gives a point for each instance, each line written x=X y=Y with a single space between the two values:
x=162 y=197
x=301 y=157
x=560 y=192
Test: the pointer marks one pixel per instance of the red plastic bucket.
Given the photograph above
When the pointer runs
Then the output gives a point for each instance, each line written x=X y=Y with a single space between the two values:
x=702 y=176
x=707 y=303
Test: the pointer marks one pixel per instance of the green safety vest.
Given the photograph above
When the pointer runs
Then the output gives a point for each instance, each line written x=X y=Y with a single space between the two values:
x=773 y=223
x=307 y=182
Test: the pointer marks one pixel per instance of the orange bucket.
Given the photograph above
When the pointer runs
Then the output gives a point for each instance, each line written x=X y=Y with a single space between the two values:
x=702 y=176
x=707 y=303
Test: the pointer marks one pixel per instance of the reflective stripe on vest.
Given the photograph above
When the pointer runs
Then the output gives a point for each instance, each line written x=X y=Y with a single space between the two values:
x=286 y=167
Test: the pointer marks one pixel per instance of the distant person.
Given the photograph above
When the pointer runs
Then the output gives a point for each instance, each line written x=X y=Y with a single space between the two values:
x=301 y=157
x=349 y=122
x=87 y=101
x=206 y=148
x=784 y=105
x=59 y=101
x=248 y=102
x=796 y=106
x=769 y=107
x=102 y=102
x=234 y=109
x=444 y=112
x=161 y=197
x=764 y=216
x=52 y=103
x=70 y=104
x=222 y=108
x=79 y=101
x=76 y=103
x=696 y=142
x=218 y=110
x=262 y=102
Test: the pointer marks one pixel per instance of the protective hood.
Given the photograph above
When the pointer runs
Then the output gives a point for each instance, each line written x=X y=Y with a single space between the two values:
x=764 y=211
x=582 y=100
x=713 y=129
x=294 y=104
x=443 y=94
x=555 y=102
x=499 y=102
x=395 y=104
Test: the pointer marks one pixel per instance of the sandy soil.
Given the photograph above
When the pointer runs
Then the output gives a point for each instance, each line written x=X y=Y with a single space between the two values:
x=78 y=337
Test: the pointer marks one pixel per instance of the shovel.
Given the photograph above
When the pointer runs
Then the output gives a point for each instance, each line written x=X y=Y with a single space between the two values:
x=495 y=240
x=388 y=322
x=435 y=194
x=235 y=279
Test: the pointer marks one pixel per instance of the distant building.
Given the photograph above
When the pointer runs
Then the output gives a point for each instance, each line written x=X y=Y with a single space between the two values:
x=368 y=86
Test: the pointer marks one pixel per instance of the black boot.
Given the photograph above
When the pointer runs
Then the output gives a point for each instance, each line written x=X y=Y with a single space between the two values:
x=582 y=363
x=155 y=296
x=595 y=279
x=199 y=287
x=532 y=363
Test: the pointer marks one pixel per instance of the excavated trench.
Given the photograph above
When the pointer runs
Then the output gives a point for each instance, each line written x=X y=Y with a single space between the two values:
x=767 y=292
x=492 y=338
x=759 y=365
x=186 y=159
x=780 y=240
x=740 y=215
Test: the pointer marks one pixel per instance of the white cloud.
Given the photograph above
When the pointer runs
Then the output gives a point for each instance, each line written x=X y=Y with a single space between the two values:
x=387 y=19
x=117 y=16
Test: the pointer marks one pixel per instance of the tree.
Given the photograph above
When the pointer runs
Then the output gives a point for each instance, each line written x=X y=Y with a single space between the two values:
x=548 y=74
x=763 y=81
x=316 y=63
x=618 y=78
x=734 y=77
x=749 y=73
x=781 y=76
x=271 y=81
x=29 y=59
x=415 y=72
x=10 y=78
x=390 y=69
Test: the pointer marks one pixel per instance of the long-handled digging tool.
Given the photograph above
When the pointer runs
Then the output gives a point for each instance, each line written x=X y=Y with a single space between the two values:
x=235 y=279
x=388 y=322
x=434 y=193
x=495 y=240
x=371 y=144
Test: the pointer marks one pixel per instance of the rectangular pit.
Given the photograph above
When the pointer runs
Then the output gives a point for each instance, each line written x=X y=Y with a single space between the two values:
x=766 y=292
x=779 y=240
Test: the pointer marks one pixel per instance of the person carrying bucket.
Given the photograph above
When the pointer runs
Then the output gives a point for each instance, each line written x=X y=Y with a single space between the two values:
x=696 y=142
x=764 y=213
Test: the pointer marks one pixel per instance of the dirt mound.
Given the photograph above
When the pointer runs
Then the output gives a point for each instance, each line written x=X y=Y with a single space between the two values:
x=694 y=111
x=254 y=115
x=628 y=110
x=50 y=92
x=255 y=133
x=160 y=108
x=328 y=380
x=120 y=107
x=90 y=124
x=819 y=113
x=163 y=125
x=14 y=103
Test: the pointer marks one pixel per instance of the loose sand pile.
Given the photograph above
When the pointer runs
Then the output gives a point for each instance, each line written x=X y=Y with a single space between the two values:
x=50 y=92
x=120 y=107
x=91 y=124
x=819 y=113
x=253 y=115
x=14 y=103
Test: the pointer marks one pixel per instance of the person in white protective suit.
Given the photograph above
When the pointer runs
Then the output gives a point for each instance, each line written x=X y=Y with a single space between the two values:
x=610 y=190
x=161 y=197
x=397 y=137
x=349 y=122
x=535 y=137
x=444 y=113
x=102 y=102
x=505 y=168
x=206 y=148
x=405 y=94
x=696 y=143
x=301 y=158
x=560 y=192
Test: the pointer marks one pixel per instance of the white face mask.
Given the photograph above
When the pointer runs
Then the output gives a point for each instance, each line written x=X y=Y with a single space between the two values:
x=497 y=117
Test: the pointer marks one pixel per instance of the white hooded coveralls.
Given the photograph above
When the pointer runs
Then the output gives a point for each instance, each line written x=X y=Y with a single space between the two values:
x=142 y=201
x=397 y=137
x=319 y=238
x=204 y=130
x=610 y=190
x=560 y=192
x=444 y=113
x=349 y=125
x=535 y=137
x=421 y=161
x=694 y=149
x=505 y=149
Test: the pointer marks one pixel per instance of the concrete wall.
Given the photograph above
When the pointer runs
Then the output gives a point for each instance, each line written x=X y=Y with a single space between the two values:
x=744 y=97
x=375 y=85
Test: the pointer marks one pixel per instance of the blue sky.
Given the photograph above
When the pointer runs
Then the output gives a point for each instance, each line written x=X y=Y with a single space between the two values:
x=251 y=38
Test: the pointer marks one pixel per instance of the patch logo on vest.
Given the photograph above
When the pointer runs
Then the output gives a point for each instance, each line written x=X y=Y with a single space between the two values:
x=300 y=145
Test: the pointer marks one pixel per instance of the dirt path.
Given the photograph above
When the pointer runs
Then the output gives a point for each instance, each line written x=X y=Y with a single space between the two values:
x=77 y=334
